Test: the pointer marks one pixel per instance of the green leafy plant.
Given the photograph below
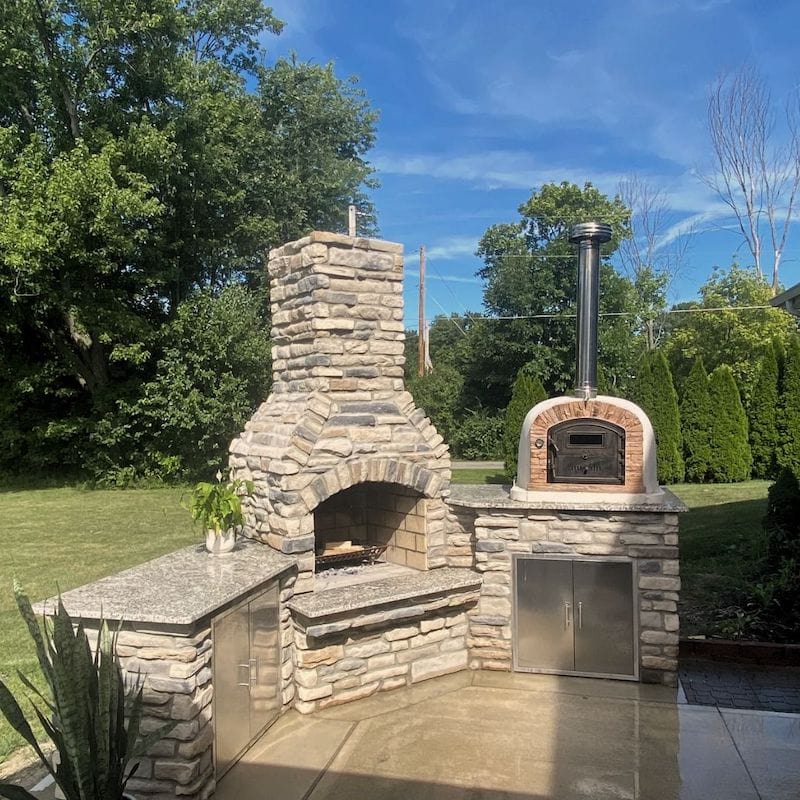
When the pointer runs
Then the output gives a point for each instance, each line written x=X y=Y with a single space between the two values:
x=86 y=712
x=218 y=506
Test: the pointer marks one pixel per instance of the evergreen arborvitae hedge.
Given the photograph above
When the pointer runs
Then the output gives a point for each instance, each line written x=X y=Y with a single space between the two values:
x=695 y=415
x=655 y=392
x=527 y=392
x=788 y=453
x=762 y=414
x=730 y=449
x=782 y=522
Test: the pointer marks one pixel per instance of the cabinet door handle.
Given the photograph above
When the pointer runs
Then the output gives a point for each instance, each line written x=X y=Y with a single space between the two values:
x=249 y=676
x=580 y=615
x=566 y=616
x=253 y=665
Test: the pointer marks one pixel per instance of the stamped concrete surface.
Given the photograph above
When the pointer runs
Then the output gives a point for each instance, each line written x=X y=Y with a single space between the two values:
x=501 y=736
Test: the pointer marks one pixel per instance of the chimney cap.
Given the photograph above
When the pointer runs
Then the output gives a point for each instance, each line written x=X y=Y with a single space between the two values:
x=598 y=231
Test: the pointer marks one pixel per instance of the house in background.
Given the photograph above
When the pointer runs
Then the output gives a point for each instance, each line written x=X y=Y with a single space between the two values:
x=788 y=300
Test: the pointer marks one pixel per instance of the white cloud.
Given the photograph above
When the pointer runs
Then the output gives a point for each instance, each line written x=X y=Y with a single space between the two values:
x=453 y=247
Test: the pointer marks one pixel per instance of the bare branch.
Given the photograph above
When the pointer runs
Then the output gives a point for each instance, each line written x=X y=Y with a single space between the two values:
x=754 y=176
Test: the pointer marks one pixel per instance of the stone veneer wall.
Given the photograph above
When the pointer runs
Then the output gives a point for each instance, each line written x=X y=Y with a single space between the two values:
x=487 y=539
x=338 y=414
x=177 y=686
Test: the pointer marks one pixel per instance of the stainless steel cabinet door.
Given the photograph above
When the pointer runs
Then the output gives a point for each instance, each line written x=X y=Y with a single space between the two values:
x=544 y=614
x=231 y=676
x=604 y=628
x=264 y=660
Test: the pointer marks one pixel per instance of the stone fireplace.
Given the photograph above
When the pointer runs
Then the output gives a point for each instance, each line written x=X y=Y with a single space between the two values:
x=339 y=441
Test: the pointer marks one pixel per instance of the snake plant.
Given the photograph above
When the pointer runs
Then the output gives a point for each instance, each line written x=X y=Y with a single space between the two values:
x=86 y=711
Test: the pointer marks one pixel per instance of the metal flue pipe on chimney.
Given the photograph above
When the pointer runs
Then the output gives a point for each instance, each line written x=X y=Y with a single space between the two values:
x=588 y=236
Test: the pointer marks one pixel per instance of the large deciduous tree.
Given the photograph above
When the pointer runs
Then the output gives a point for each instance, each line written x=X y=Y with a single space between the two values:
x=148 y=152
x=731 y=322
x=530 y=274
x=756 y=166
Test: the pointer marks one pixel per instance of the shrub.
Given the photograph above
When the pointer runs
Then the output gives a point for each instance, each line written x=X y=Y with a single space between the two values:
x=438 y=394
x=782 y=520
x=479 y=436
x=788 y=453
x=763 y=416
x=527 y=392
x=730 y=450
x=695 y=416
x=655 y=393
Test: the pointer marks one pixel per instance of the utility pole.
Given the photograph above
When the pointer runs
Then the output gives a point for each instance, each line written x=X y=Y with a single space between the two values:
x=351 y=220
x=421 y=335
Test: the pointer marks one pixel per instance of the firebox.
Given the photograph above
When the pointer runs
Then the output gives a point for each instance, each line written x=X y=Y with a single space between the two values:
x=586 y=451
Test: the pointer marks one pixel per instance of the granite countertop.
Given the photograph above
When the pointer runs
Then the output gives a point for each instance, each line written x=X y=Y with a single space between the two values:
x=392 y=590
x=497 y=496
x=176 y=590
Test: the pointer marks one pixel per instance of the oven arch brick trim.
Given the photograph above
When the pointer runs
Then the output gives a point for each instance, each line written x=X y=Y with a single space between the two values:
x=641 y=475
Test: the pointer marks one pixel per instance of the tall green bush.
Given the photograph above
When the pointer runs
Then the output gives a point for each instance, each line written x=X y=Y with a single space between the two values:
x=438 y=394
x=527 y=392
x=695 y=415
x=788 y=453
x=782 y=521
x=478 y=436
x=730 y=449
x=655 y=393
x=762 y=413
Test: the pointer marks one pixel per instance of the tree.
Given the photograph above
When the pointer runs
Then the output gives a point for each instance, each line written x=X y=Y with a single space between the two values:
x=730 y=451
x=649 y=264
x=655 y=393
x=731 y=322
x=147 y=151
x=530 y=274
x=527 y=392
x=756 y=171
x=438 y=394
x=763 y=416
x=789 y=410
x=695 y=414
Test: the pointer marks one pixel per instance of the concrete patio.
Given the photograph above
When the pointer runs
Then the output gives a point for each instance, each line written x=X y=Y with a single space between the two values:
x=493 y=736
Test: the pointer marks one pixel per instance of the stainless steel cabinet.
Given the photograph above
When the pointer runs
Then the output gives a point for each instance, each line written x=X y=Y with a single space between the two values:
x=246 y=674
x=574 y=616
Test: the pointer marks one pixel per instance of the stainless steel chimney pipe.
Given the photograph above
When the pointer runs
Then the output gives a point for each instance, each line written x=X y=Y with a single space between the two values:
x=588 y=236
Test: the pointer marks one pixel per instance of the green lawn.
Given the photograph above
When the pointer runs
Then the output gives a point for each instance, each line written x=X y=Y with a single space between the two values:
x=721 y=543
x=61 y=538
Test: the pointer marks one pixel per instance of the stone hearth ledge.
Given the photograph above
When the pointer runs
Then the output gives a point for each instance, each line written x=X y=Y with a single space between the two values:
x=177 y=591
x=392 y=600
x=499 y=496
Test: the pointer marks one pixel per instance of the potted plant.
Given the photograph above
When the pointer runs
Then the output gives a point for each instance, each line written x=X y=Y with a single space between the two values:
x=217 y=507
x=86 y=712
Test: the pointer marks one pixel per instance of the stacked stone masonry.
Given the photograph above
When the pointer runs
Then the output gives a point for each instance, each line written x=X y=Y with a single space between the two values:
x=177 y=687
x=338 y=414
x=488 y=539
x=352 y=657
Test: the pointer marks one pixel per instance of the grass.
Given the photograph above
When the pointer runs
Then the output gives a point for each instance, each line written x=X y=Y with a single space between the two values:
x=479 y=476
x=721 y=545
x=60 y=538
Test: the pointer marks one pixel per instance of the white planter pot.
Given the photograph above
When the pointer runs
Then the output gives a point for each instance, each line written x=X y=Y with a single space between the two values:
x=220 y=543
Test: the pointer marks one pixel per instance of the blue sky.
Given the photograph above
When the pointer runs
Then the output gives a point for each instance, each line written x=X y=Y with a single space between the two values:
x=480 y=102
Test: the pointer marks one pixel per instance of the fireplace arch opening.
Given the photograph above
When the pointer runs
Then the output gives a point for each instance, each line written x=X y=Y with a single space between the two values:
x=373 y=516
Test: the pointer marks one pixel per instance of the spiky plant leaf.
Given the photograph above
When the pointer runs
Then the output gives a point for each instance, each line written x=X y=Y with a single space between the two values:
x=11 y=792
x=26 y=611
x=16 y=719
